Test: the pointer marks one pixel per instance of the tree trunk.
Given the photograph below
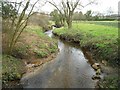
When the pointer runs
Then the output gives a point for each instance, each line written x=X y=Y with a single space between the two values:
x=69 y=23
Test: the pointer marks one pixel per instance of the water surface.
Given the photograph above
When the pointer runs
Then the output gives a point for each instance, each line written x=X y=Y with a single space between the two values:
x=70 y=69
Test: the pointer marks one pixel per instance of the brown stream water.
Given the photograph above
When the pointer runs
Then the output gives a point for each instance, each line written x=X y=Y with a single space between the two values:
x=70 y=69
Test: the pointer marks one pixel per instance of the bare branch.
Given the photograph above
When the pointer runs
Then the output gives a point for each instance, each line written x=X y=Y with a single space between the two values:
x=91 y=2
x=68 y=8
x=55 y=6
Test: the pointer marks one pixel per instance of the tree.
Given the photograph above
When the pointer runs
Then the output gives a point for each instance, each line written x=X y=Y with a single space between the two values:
x=59 y=20
x=98 y=16
x=8 y=11
x=67 y=8
x=82 y=16
x=78 y=16
x=14 y=21
x=88 y=15
x=55 y=17
x=110 y=11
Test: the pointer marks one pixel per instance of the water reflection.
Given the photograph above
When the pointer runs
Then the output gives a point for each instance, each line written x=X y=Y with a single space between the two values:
x=69 y=70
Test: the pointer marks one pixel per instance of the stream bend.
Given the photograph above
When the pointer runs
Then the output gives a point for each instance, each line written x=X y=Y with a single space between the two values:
x=70 y=69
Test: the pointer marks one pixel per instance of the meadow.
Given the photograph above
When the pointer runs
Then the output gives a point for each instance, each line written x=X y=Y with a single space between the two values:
x=105 y=23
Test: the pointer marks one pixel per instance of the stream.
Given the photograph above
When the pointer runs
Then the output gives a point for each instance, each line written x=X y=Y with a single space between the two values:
x=70 y=69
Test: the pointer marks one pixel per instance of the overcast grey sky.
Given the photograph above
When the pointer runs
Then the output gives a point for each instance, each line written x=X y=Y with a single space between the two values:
x=103 y=6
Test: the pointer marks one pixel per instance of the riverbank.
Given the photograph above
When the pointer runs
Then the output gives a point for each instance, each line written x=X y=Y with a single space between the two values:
x=97 y=40
x=33 y=49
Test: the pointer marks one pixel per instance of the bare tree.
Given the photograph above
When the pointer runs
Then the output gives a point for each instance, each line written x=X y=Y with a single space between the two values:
x=17 y=21
x=110 y=11
x=58 y=18
x=67 y=8
x=88 y=15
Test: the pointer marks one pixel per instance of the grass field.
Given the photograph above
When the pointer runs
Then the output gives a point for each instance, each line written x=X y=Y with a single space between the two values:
x=100 y=39
x=105 y=23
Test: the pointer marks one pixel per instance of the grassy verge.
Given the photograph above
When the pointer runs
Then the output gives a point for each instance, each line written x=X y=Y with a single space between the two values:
x=100 y=40
x=33 y=47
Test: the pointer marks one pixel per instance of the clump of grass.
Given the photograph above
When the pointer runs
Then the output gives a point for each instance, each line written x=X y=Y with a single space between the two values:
x=53 y=48
x=48 y=46
x=21 y=51
x=109 y=82
x=40 y=45
x=40 y=53
x=46 y=49
x=12 y=69
x=37 y=30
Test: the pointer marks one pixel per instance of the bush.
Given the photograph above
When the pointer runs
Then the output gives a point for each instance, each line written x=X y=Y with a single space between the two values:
x=42 y=20
x=12 y=69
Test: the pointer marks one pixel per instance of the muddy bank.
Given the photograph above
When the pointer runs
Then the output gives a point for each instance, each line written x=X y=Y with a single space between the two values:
x=66 y=38
x=33 y=65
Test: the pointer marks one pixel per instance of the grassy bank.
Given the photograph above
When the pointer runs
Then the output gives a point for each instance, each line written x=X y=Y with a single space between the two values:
x=100 y=40
x=12 y=70
x=33 y=48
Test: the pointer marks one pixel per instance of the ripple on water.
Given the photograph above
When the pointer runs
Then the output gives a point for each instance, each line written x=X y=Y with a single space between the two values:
x=70 y=69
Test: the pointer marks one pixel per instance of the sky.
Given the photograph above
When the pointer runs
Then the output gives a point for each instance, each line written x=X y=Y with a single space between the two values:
x=102 y=6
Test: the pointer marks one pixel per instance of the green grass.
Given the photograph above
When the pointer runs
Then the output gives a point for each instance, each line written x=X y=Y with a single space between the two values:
x=105 y=23
x=97 y=33
x=42 y=45
x=36 y=30
x=109 y=82
x=47 y=44
x=100 y=38
x=12 y=68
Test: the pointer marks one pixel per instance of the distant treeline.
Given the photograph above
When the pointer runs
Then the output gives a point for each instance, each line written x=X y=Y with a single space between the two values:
x=79 y=16
x=89 y=17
